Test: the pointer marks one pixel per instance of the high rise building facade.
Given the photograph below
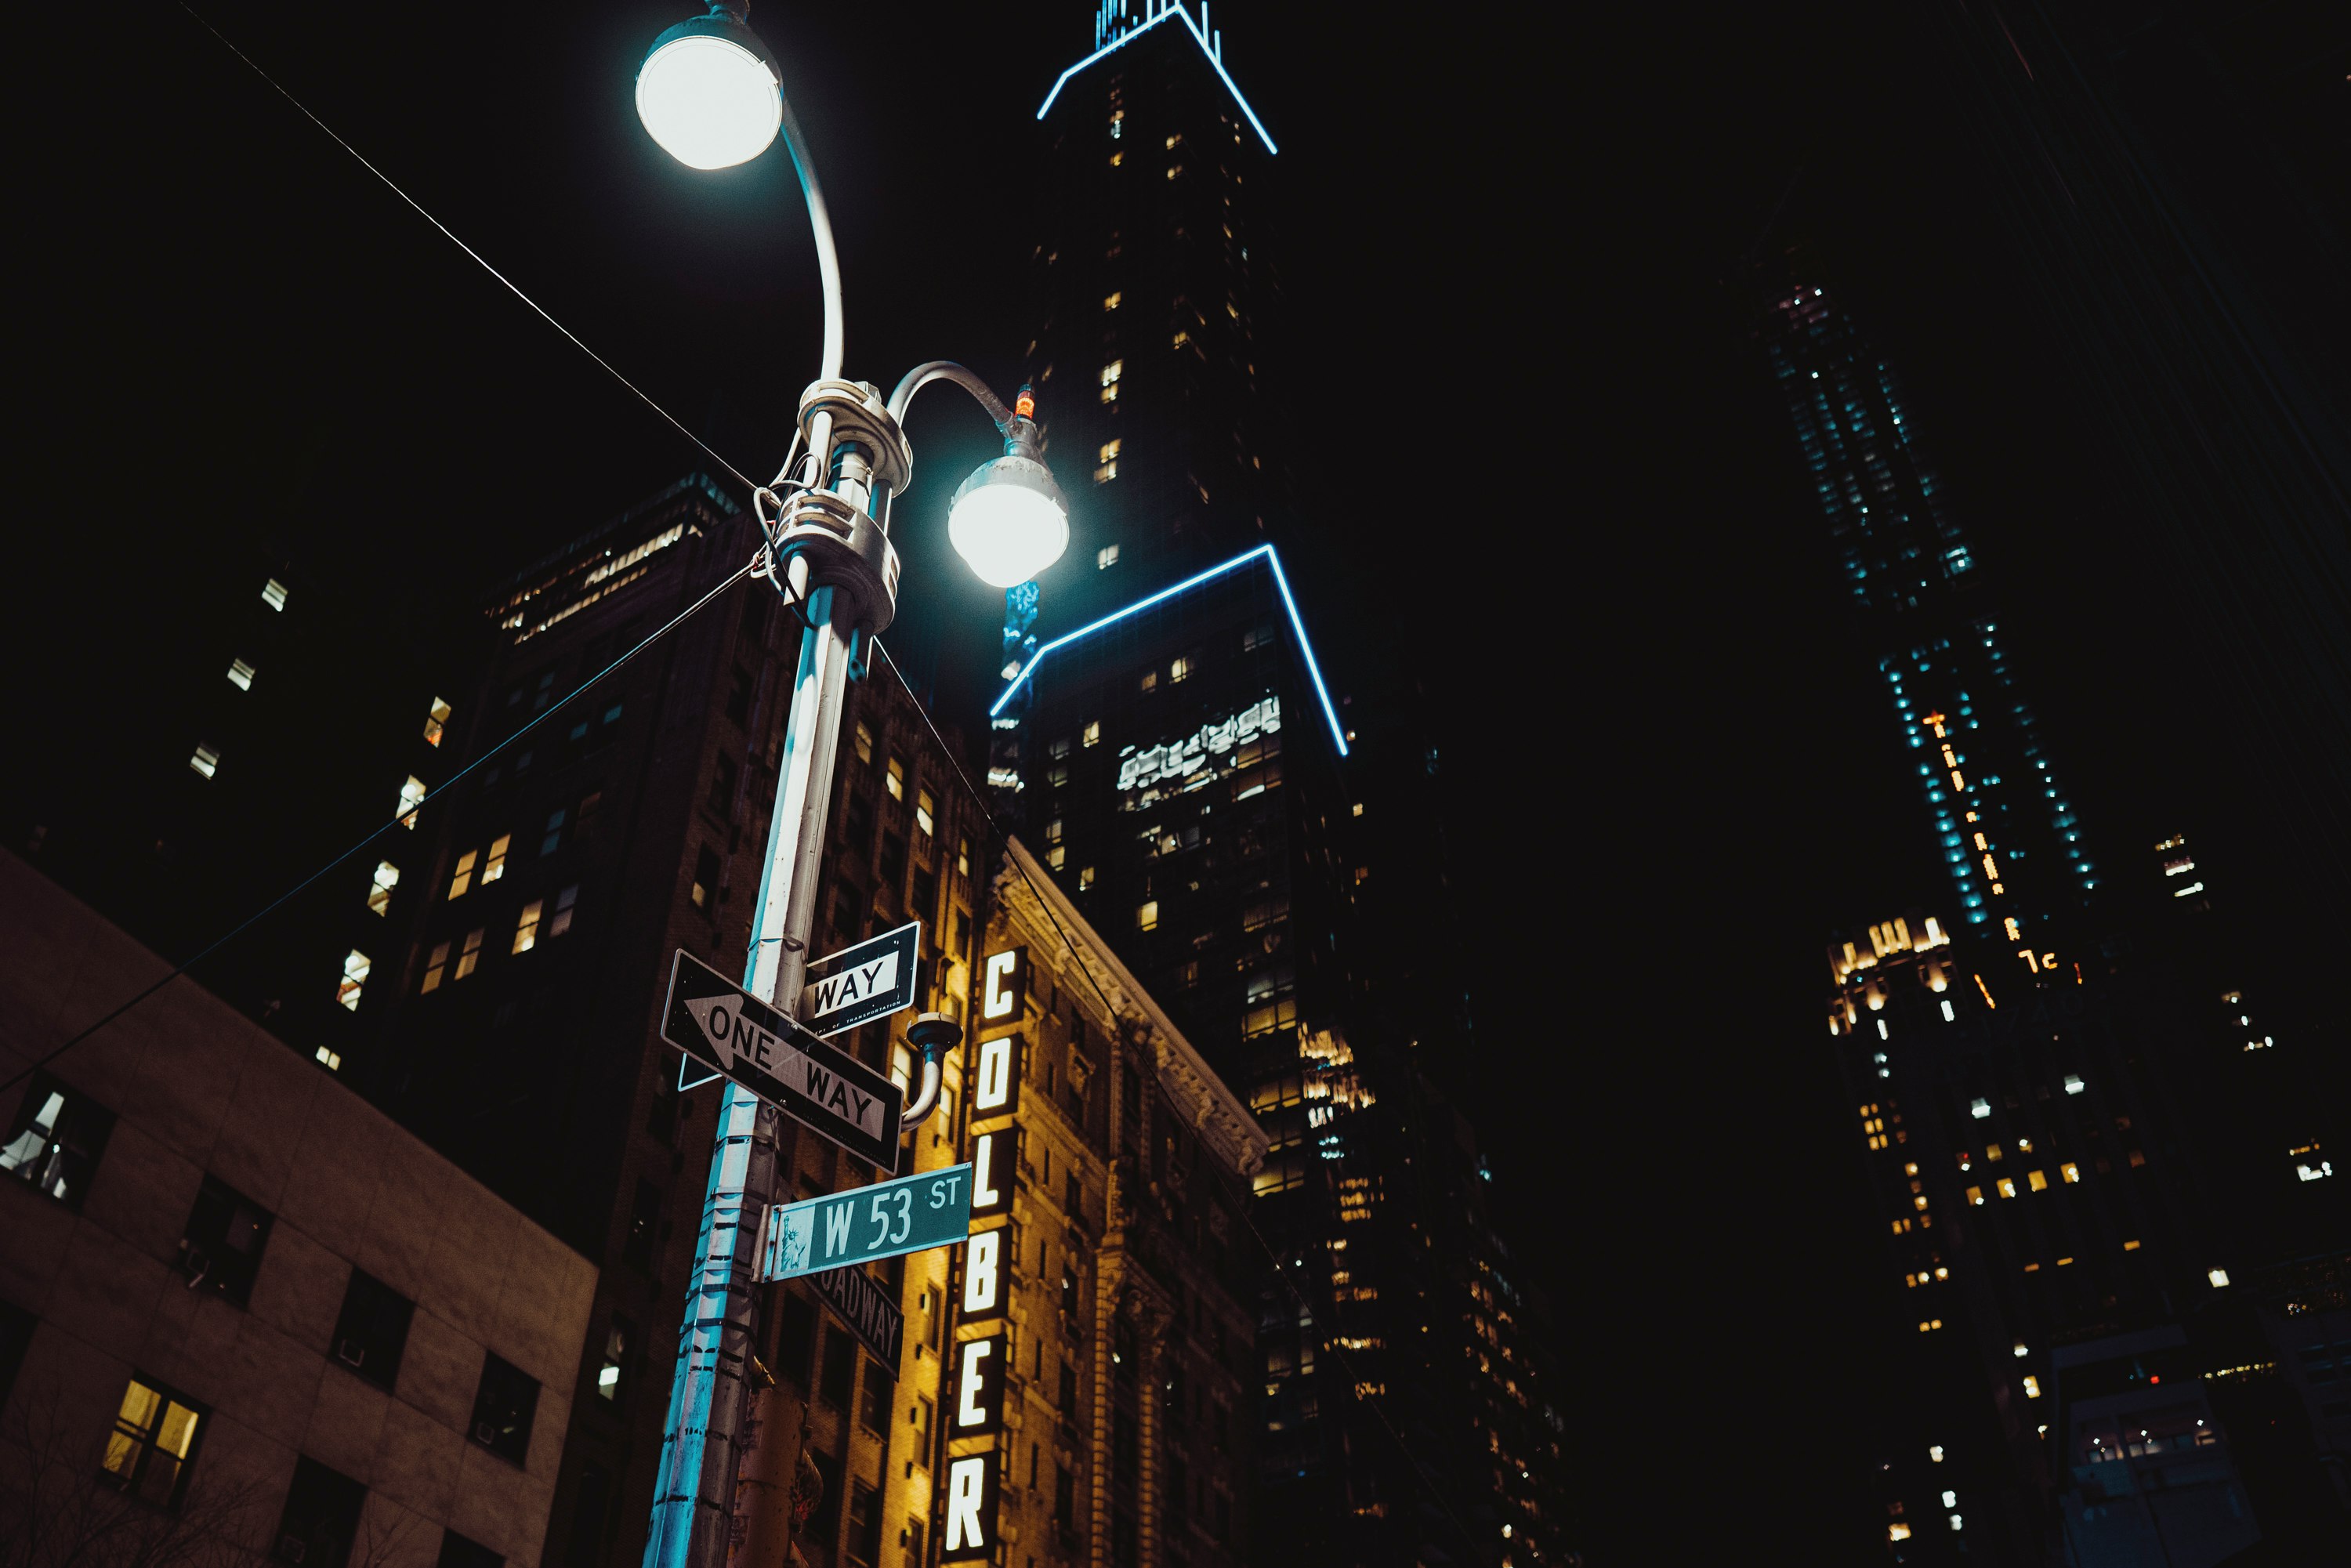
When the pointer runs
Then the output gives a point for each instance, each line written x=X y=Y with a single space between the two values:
x=1172 y=748
x=516 y=1011
x=2004 y=823
x=2067 y=1141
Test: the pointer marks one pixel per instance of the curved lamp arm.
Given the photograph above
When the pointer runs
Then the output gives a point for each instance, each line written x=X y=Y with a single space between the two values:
x=827 y=259
x=924 y=375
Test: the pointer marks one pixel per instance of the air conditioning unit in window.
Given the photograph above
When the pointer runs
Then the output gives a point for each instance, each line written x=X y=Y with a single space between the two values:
x=350 y=1352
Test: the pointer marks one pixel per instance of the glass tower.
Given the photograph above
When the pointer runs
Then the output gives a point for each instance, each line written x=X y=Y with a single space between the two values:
x=2003 y=822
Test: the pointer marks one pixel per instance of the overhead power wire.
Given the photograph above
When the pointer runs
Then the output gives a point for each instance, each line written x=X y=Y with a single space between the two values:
x=418 y=207
x=373 y=833
x=1273 y=1255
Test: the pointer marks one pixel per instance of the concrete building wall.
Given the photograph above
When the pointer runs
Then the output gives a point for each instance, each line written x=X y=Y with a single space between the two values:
x=101 y=1280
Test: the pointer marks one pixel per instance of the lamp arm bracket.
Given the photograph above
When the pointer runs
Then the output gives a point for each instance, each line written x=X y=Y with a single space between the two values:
x=924 y=375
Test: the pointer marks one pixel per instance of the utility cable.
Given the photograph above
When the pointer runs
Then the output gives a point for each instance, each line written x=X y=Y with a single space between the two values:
x=1273 y=1255
x=418 y=207
x=430 y=796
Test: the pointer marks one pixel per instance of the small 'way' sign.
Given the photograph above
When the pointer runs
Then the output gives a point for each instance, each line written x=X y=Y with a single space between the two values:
x=717 y=1021
x=860 y=984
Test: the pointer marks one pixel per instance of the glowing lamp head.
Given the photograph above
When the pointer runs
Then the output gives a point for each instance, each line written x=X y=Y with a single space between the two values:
x=710 y=94
x=1008 y=521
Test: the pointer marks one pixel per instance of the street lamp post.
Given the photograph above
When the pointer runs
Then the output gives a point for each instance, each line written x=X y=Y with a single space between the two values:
x=710 y=94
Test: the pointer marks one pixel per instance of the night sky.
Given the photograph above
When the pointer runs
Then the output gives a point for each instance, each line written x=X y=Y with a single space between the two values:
x=1535 y=438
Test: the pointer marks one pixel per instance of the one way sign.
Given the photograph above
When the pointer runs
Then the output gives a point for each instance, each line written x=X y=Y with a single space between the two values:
x=716 y=1022
x=860 y=984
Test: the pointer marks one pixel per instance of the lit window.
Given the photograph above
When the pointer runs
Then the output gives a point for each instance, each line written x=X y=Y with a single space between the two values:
x=2219 y=1278
x=1146 y=916
x=1174 y=169
x=469 y=956
x=2007 y=1188
x=894 y=779
x=1979 y=1109
x=2037 y=1181
x=332 y=1059
x=434 y=968
x=1359 y=808
x=1054 y=855
x=1174 y=142
x=412 y=795
x=1107 y=469
x=1105 y=558
x=436 y=720
x=2022 y=1349
x=527 y=928
x=153 y=1439
x=924 y=806
x=1178 y=669
x=1181 y=339
x=1950 y=1500
x=55 y=1140
x=206 y=760
x=616 y=1357
x=1110 y=301
x=1085 y=878
x=1975 y=1195
x=865 y=742
x=1091 y=735
x=1110 y=375
x=2074 y=1084
x=2070 y=1171
x=355 y=974
x=387 y=877
x=1150 y=681
x=561 y=921
x=1116 y=159
x=1991 y=1152
x=2031 y=1391
x=1898 y=1532
x=240 y=674
x=273 y=594
x=962 y=854
x=462 y=877
x=1935 y=1452
x=496 y=867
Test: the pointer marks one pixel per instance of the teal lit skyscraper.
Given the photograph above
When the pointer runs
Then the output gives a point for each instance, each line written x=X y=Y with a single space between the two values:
x=2004 y=823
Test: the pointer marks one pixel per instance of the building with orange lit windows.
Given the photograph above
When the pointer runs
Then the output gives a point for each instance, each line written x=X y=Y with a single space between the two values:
x=2075 y=1164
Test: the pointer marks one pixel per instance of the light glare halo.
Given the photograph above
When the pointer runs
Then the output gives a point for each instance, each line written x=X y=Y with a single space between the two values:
x=710 y=103
x=1006 y=530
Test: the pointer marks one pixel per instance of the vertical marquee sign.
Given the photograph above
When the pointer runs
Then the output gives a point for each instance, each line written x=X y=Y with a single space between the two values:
x=978 y=1374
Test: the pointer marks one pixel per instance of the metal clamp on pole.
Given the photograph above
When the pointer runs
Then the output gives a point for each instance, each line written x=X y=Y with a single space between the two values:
x=933 y=1034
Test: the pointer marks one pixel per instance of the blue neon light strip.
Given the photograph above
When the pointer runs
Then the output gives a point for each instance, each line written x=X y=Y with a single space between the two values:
x=1281 y=581
x=1206 y=52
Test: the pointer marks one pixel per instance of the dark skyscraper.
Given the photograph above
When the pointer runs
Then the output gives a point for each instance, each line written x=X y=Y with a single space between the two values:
x=2005 y=826
x=1171 y=745
x=2071 y=1153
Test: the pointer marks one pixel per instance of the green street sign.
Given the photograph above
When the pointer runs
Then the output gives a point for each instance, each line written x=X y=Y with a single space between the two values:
x=912 y=1213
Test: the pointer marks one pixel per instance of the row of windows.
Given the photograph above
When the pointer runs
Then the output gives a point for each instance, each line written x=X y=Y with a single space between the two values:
x=55 y=1145
x=537 y=921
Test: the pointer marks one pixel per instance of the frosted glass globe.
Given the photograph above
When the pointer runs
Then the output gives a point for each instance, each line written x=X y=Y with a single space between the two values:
x=1005 y=526
x=710 y=103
